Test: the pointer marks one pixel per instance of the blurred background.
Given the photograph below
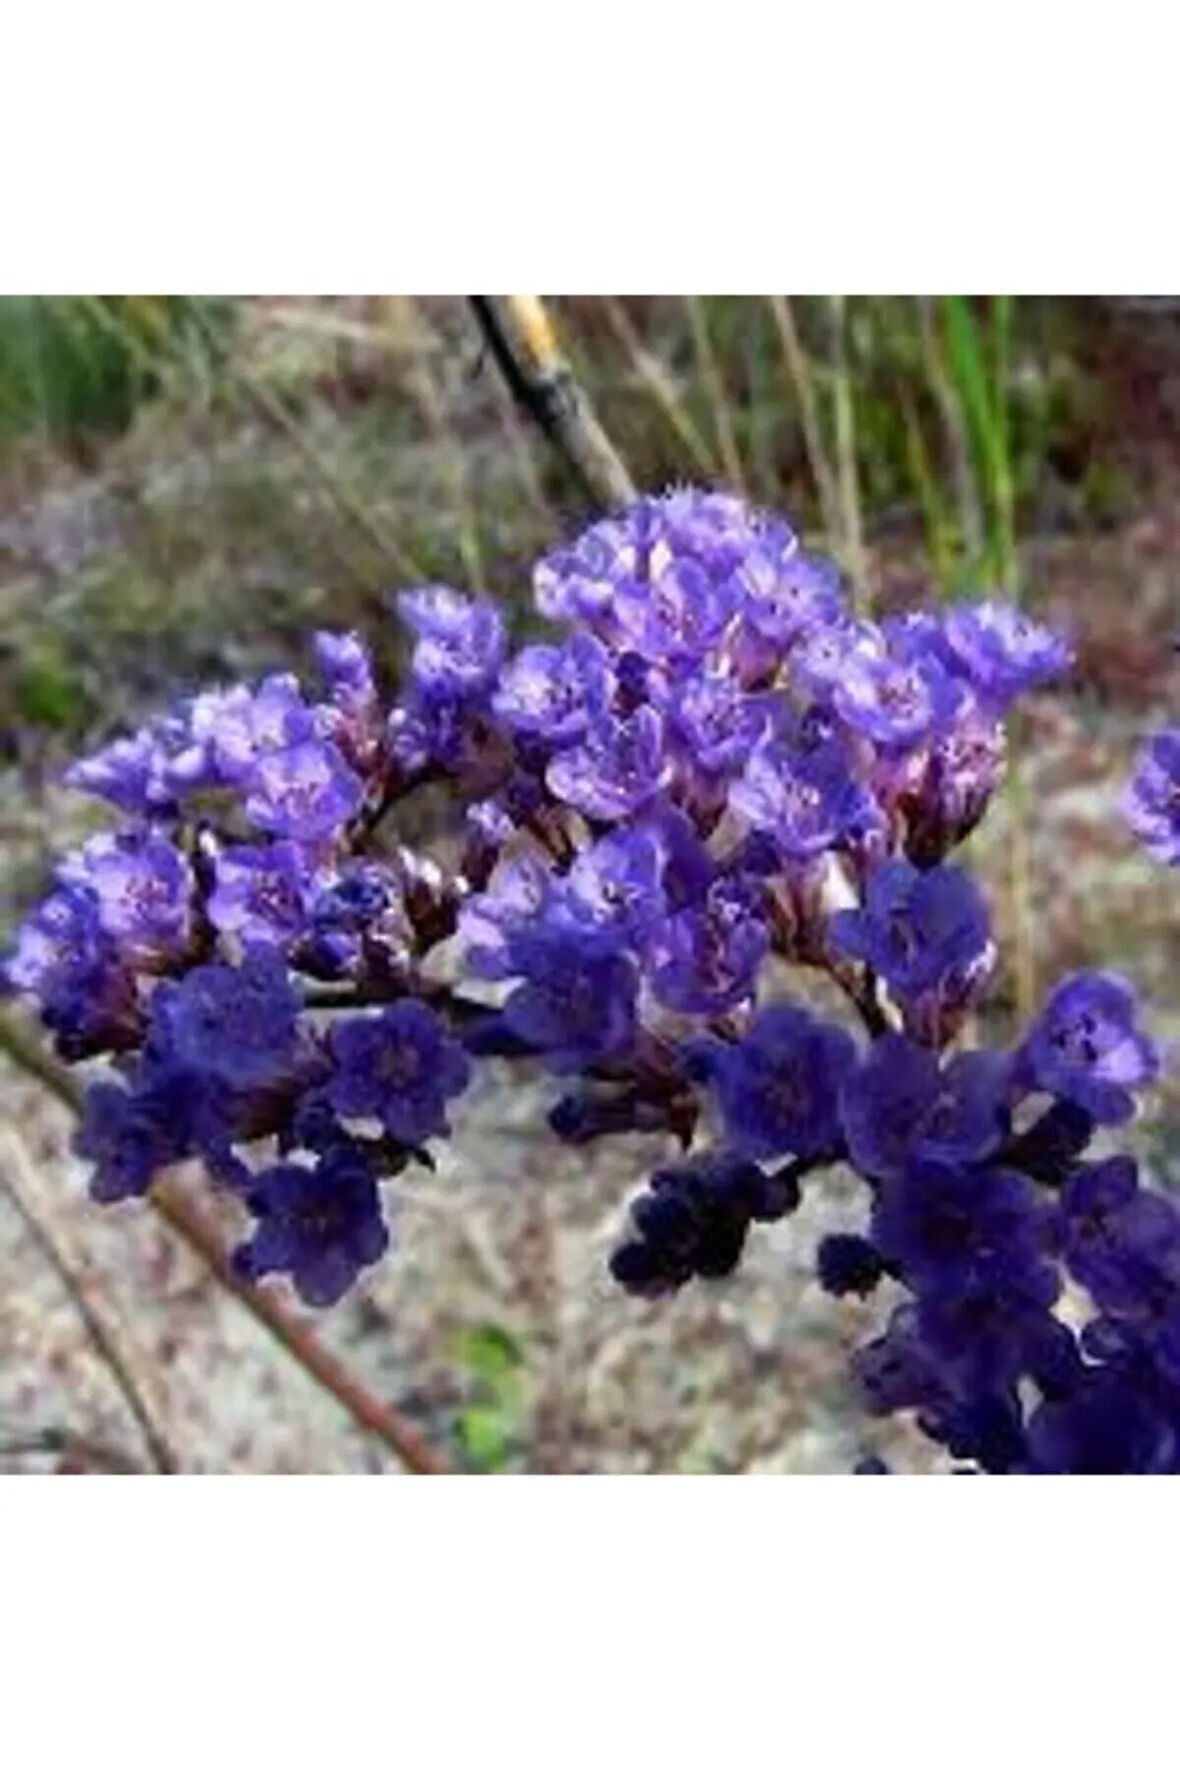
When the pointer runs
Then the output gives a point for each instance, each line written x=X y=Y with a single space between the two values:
x=187 y=486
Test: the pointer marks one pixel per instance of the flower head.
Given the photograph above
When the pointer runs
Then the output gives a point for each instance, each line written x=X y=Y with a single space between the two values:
x=320 y=1225
x=900 y=1105
x=777 y=1086
x=235 y=1023
x=1084 y=1046
x=1152 y=799
x=400 y=1067
x=925 y=933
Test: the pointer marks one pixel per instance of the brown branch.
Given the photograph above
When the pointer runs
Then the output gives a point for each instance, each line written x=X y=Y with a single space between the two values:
x=196 y=1227
x=518 y=334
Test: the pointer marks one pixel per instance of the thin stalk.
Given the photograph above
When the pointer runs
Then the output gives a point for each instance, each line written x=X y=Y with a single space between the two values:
x=661 y=389
x=802 y=384
x=197 y=1228
x=958 y=437
x=715 y=390
x=847 y=477
x=107 y=1334
x=407 y=320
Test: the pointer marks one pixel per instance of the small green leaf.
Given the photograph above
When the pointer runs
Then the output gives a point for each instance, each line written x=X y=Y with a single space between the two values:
x=483 y=1436
x=487 y=1351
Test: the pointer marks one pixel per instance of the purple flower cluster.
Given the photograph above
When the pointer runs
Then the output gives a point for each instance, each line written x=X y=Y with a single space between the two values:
x=711 y=771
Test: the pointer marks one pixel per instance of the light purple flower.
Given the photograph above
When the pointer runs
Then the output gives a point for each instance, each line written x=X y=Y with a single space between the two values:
x=307 y=793
x=1151 y=802
x=142 y=888
x=620 y=767
x=1084 y=1046
x=260 y=893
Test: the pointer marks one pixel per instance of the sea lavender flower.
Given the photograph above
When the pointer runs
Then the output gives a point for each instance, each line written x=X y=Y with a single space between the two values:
x=704 y=959
x=130 y=1134
x=234 y=1023
x=616 y=882
x=1151 y=802
x=777 y=1086
x=1084 y=1046
x=400 y=1067
x=260 y=893
x=346 y=665
x=893 y=702
x=84 y=987
x=142 y=889
x=804 y=795
x=901 y=1105
x=618 y=768
x=320 y=1225
x=555 y=691
x=692 y=1220
x=1002 y=652
x=925 y=933
x=577 y=1000
x=307 y=793
x=460 y=642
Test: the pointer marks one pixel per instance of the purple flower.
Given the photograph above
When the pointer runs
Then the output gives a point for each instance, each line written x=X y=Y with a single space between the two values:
x=786 y=592
x=1002 y=652
x=848 y=1266
x=1152 y=800
x=400 y=1067
x=1121 y=1243
x=715 y=723
x=320 y=1225
x=821 y=656
x=705 y=959
x=577 y=1000
x=616 y=883
x=142 y=890
x=1104 y=1427
x=777 y=1086
x=239 y=726
x=359 y=912
x=692 y=1220
x=619 y=767
x=897 y=704
x=233 y=1023
x=130 y=1135
x=963 y=770
x=63 y=957
x=347 y=667
x=461 y=641
x=946 y=1225
x=307 y=793
x=925 y=933
x=1084 y=1047
x=555 y=691
x=679 y=612
x=804 y=795
x=260 y=894
x=517 y=892
x=900 y=1105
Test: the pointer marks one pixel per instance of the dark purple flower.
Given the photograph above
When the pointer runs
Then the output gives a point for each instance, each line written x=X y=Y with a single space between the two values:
x=848 y=1265
x=358 y=912
x=131 y=1134
x=576 y=1002
x=1120 y=1242
x=1084 y=1047
x=777 y=1086
x=320 y=1225
x=947 y=1225
x=307 y=793
x=400 y=1067
x=234 y=1023
x=925 y=933
x=1152 y=799
x=1002 y=652
x=617 y=769
x=65 y=959
x=804 y=795
x=900 y=1105
x=142 y=888
x=1103 y=1428
x=556 y=691
x=260 y=893
x=692 y=1221
x=461 y=641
